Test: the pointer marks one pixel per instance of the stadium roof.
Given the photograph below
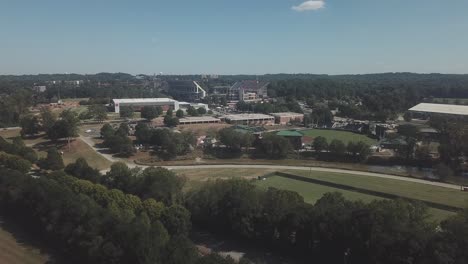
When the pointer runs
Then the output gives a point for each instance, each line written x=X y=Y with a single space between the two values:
x=441 y=109
x=143 y=100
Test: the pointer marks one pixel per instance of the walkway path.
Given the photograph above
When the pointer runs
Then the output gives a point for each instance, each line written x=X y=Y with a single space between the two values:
x=109 y=157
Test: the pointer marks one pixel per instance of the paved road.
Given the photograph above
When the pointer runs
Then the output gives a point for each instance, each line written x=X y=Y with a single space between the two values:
x=89 y=141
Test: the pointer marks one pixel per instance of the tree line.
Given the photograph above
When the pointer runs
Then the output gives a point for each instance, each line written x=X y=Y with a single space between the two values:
x=96 y=223
x=166 y=143
x=333 y=230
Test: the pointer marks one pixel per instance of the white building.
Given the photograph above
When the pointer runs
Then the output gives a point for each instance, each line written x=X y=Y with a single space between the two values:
x=138 y=103
x=447 y=109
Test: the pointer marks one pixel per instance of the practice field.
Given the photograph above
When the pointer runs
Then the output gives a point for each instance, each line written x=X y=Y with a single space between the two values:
x=196 y=177
x=312 y=192
x=14 y=249
x=411 y=190
x=344 y=136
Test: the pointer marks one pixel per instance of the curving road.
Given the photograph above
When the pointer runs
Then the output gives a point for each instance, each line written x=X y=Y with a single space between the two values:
x=89 y=142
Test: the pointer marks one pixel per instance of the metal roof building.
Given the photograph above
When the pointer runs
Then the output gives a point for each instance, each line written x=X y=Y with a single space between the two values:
x=446 y=109
x=248 y=119
x=141 y=102
x=198 y=120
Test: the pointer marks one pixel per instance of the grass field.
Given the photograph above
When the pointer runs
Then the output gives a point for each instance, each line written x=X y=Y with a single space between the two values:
x=77 y=149
x=402 y=188
x=80 y=149
x=344 y=136
x=312 y=192
x=13 y=249
x=196 y=178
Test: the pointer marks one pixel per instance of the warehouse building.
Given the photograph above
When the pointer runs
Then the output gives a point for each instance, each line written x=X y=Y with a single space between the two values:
x=185 y=105
x=425 y=109
x=199 y=120
x=138 y=103
x=288 y=117
x=249 y=119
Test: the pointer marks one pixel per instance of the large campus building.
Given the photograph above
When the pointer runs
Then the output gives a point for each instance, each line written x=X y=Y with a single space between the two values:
x=249 y=119
x=186 y=90
x=138 y=103
x=444 y=109
x=287 y=117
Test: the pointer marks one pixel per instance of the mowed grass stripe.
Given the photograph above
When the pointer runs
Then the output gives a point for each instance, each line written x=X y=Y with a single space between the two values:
x=410 y=190
x=312 y=192
x=344 y=136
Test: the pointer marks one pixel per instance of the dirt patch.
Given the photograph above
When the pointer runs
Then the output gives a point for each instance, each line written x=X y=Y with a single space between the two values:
x=203 y=129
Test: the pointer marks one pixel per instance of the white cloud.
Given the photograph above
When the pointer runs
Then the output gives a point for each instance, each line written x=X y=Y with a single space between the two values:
x=309 y=6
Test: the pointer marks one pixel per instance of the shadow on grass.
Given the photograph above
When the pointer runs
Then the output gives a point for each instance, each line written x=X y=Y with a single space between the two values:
x=44 y=146
x=29 y=240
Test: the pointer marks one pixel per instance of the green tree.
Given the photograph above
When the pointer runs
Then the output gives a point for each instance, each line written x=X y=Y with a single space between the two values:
x=320 y=144
x=337 y=147
x=149 y=112
x=161 y=185
x=47 y=119
x=170 y=112
x=126 y=111
x=65 y=127
x=29 y=125
x=180 y=113
x=170 y=121
x=119 y=144
x=191 y=111
x=98 y=112
x=123 y=130
x=119 y=177
x=201 y=111
x=53 y=161
x=363 y=149
x=82 y=170
x=274 y=146
x=107 y=130
x=14 y=162
x=177 y=220
x=143 y=133
x=235 y=140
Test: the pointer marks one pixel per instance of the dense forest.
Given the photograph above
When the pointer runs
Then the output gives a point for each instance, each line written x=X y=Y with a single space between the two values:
x=334 y=230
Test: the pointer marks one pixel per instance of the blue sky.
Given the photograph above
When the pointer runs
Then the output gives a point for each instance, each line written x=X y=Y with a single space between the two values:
x=233 y=37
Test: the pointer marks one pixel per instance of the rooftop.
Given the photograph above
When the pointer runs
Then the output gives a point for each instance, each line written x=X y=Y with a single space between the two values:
x=199 y=119
x=143 y=100
x=247 y=117
x=441 y=109
x=286 y=114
